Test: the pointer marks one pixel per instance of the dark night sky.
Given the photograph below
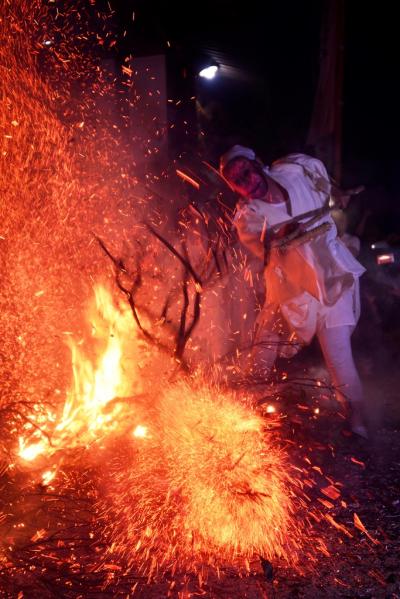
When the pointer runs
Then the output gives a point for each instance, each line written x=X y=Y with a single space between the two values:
x=278 y=45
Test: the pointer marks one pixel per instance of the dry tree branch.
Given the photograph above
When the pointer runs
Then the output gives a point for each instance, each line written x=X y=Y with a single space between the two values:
x=184 y=333
x=184 y=261
x=129 y=293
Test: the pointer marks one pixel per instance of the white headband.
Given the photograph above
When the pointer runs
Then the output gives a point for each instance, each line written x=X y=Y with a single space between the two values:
x=235 y=152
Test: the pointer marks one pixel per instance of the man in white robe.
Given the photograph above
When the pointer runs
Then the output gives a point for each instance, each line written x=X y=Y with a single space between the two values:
x=311 y=287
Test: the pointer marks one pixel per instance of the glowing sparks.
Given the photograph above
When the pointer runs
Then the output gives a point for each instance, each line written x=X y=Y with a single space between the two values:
x=219 y=485
x=40 y=534
x=331 y=492
x=358 y=462
x=210 y=482
x=32 y=451
x=193 y=473
x=188 y=179
x=140 y=431
x=338 y=526
x=48 y=477
x=358 y=524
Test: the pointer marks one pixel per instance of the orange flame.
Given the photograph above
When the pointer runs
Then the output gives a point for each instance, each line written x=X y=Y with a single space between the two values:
x=116 y=376
x=94 y=405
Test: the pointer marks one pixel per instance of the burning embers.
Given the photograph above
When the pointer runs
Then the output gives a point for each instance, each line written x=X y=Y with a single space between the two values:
x=194 y=476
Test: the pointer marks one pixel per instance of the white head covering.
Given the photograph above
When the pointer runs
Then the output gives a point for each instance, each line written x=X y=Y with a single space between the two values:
x=235 y=152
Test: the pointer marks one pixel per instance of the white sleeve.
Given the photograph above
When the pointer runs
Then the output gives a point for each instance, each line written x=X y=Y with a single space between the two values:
x=250 y=225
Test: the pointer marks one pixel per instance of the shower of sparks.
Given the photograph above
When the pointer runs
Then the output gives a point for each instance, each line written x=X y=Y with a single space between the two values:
x=211 y=485
x=172 y=475
x=195 y=475
x=66 y=174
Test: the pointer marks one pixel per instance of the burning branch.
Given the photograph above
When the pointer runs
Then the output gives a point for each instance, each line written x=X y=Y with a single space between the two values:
x=120 y=270
x=182 y=330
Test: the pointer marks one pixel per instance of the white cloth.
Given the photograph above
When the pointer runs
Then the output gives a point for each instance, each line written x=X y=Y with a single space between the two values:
x=318 y=279
x=352 y=242
x=235 y=152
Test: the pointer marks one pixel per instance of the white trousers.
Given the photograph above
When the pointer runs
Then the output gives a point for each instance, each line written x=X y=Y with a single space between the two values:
x=335 y=344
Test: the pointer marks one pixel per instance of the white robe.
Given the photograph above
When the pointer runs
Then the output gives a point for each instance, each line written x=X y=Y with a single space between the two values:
x=317 y=280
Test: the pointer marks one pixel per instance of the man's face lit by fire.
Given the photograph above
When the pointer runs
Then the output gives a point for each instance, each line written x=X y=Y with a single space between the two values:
x=246 y=178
